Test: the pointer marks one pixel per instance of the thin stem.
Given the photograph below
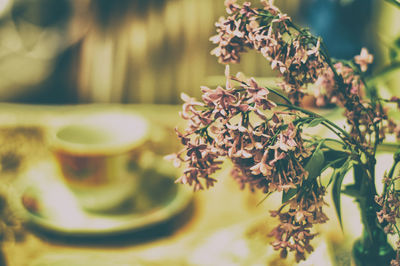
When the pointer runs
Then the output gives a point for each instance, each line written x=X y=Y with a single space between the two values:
x=328 y=126
x=286 y=99
x=295 y=107
x=331 y=126
x=391 y=172
x=341 y=84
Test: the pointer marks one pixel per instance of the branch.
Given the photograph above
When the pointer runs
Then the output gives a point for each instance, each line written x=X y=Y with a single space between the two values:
x=394 y=2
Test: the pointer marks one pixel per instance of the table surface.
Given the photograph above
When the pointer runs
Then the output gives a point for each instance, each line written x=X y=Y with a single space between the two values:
x=213 y=230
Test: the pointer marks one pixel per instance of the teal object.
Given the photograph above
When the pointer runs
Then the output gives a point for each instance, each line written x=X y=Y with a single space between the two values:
x=375 y=252
x=372 y=248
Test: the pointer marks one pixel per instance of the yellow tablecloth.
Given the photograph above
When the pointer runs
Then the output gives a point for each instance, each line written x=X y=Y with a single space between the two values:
x=218 y=228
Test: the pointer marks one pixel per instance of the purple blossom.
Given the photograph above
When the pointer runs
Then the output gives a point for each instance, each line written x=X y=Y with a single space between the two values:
x=364 y=59
x=266 y=144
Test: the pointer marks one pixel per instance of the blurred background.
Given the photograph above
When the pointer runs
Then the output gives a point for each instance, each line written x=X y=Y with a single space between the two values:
x=59 y=52
x=149 y=51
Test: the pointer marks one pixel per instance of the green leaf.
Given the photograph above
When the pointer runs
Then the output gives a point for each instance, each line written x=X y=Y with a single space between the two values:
x=394 y=2
x=337 y=188
x=332 y=177
x=289 y=194
x=358 y=174
x=335 y=158
x=316 y=163
x=352 y=191
x=316 y=121
x=334 y=164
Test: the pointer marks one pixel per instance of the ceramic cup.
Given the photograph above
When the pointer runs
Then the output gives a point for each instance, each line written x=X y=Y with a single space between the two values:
x=95 y=157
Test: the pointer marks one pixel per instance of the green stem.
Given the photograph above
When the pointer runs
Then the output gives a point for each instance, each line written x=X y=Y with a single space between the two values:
x=391 y=172
x=394 y=2
x=330 y=125
x=286 y=99
x=344 y=136
x=315 y=115
x=340 y=83
x=367 y=202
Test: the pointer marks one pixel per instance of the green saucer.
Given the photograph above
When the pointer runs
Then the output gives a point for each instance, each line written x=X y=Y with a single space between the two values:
x=49 y=205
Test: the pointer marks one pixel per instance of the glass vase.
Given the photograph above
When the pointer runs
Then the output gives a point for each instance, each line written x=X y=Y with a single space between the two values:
x=372 y=248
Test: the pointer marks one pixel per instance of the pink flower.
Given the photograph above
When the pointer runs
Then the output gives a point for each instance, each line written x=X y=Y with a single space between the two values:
x=268 y=5
x=395 y=263
x=219 y=96
x=261 y=168
x=174 y=158
x=315 y=50
x=231 y=6
x=268 y=149
x=286 y=140
x=242 y=153
x=259 y=95
x=183 y=137
x=188 y=108
x=364 y=59
x=277 y=156
x=281 y=18
x=247 y=10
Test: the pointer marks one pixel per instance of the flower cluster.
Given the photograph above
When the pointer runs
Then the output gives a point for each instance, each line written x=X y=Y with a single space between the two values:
x=265 y=144
x=267 y=152
x=294 y=53
x=390 y=203
x=326 y=90
x=389 y=212
x=264 y=139
x=296 y=218
x=301 y=61
x=343 y=86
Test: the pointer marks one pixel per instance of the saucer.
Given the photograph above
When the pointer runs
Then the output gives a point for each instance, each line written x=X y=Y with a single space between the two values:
x=50 y=205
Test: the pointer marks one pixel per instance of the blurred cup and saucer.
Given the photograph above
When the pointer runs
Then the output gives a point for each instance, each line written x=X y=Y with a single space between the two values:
x=94 y=158
x=105 y=176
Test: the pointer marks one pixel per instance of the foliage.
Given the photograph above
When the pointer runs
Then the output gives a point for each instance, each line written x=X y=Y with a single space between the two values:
x=265 y=139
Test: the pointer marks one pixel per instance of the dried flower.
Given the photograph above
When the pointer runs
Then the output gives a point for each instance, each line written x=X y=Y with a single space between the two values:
x=364 y=59
x=264 y=139
x=296 y=217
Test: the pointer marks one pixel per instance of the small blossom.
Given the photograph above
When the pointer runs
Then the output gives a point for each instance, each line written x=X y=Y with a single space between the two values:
x=262 y=167
x=281 y=18
x=315 y=50
x=218 y=97
x=395 y=263
x=364 y=59
x=259 y=95
x=175 y=159
x=231 y=6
